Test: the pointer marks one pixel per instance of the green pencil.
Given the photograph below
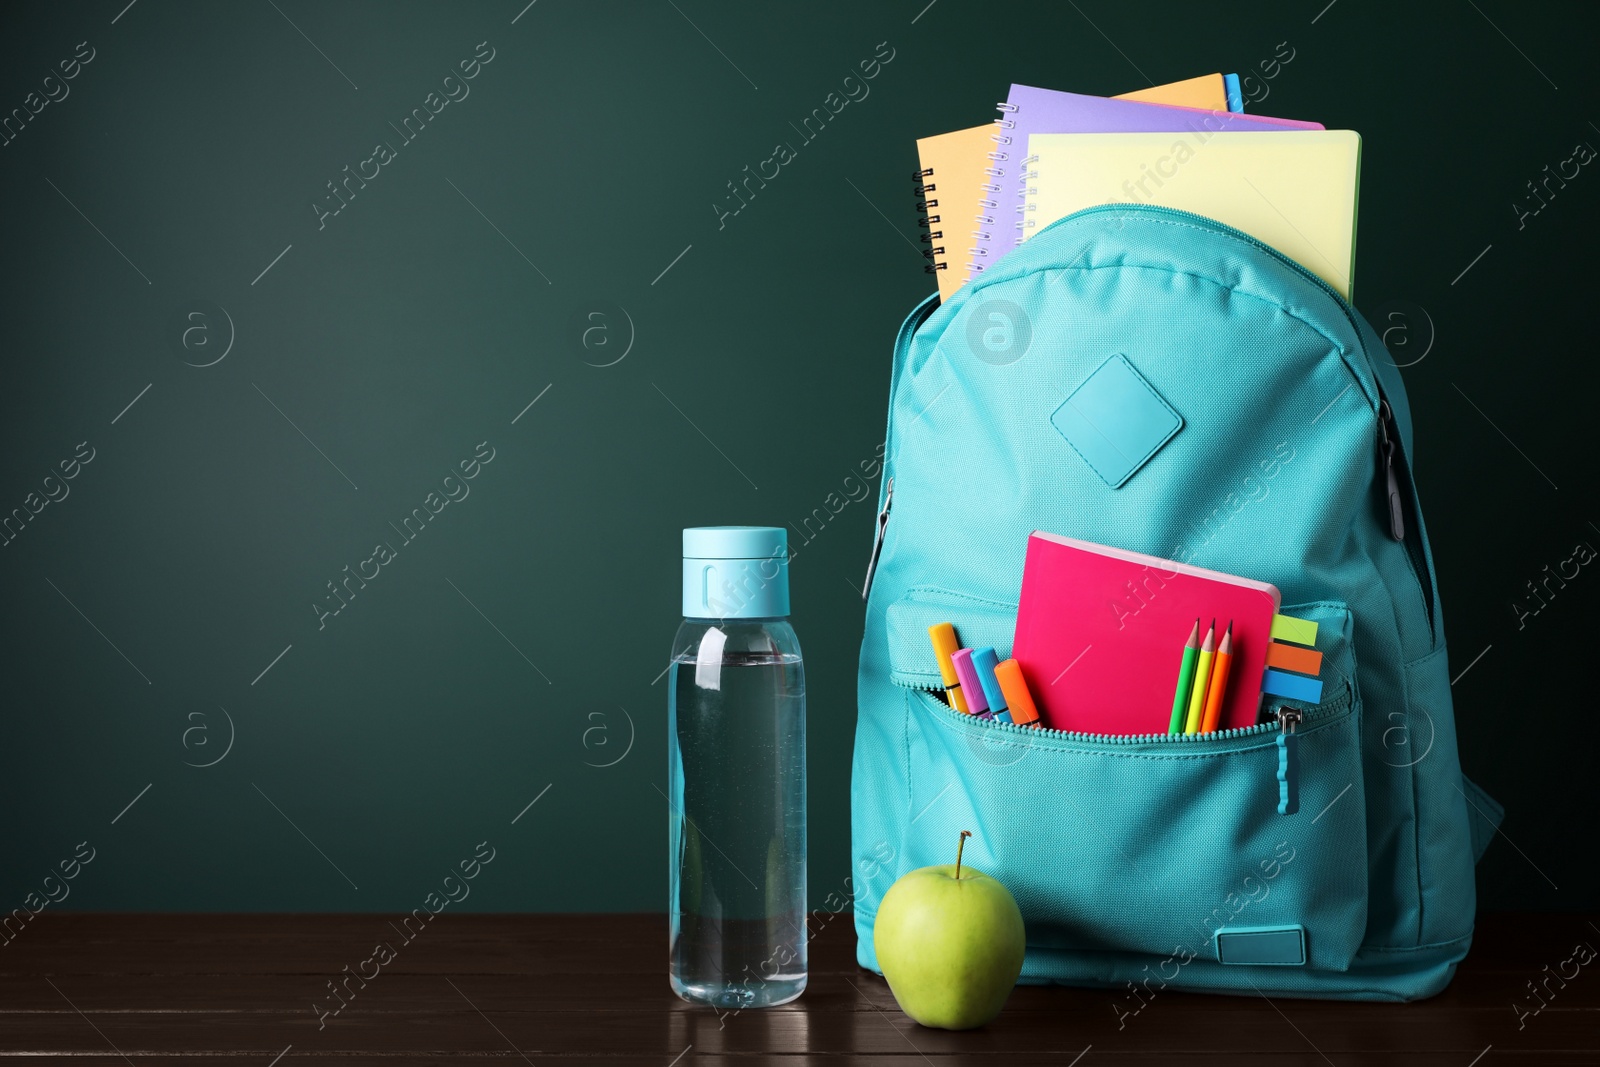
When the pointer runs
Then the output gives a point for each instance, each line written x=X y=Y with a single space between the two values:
x=1180 y=699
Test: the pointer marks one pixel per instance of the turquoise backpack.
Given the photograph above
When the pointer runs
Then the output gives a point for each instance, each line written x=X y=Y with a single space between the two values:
x=1154 y=862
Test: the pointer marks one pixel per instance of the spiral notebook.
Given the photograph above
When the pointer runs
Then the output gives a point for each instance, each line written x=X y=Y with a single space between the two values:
x=951 y=177
x=998 y=226
x=947 y=189
x=1296 y=190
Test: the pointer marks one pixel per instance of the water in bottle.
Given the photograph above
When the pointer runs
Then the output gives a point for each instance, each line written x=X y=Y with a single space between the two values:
x=736 y=773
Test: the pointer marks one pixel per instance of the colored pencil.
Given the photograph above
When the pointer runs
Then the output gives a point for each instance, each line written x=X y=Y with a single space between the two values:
x=1202 y=678
x=1180 y=698
x=1217 y=691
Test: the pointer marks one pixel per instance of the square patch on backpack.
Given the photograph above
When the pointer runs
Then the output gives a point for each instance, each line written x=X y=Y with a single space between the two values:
x=1116 y=421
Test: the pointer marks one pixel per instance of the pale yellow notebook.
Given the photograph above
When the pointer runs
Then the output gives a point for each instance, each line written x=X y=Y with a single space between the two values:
x=1295 y=190
x=952 y=181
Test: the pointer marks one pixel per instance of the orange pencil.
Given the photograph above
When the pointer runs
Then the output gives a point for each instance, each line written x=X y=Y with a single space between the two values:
x=1219 y=682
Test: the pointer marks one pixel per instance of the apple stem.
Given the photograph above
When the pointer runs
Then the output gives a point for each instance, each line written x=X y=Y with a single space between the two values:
x=961 y=844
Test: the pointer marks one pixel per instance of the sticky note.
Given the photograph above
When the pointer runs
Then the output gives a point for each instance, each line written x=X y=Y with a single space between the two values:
x=1292 y=686
x=1294 y=658
x=1230 y=84
x=1300 y=631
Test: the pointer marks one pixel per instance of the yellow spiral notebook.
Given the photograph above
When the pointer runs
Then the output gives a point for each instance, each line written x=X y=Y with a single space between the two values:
x=1295 y=190
x=952 y=182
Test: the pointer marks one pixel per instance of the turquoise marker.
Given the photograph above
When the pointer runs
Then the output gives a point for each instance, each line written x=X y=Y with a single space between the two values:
x=983 y=663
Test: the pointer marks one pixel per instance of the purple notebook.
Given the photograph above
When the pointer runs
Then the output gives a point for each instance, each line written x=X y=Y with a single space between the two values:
x=999 y=223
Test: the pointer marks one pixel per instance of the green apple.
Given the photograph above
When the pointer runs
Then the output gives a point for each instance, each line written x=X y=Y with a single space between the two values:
x=950 y=941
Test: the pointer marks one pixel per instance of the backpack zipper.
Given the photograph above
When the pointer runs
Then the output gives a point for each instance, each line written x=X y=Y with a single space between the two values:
x=877 y=541
x=1388 y=436
x=1285 y=721
x=908 y=329
x=1386 y=439
x=1224 y=228
x=1312 y=715
x=1288 y=760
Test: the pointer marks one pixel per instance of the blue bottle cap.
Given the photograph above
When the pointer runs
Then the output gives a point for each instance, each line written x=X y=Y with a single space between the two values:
x=735 y=572
x=735 y=542
x=983 y=661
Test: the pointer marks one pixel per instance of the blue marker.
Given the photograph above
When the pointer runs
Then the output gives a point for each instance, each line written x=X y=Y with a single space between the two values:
x=983 y=663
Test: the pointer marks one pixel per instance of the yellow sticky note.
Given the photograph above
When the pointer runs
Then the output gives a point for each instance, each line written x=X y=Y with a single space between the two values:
x=1300 y=631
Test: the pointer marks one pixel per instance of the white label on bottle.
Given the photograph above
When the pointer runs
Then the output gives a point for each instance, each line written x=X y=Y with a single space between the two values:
x=708 y=660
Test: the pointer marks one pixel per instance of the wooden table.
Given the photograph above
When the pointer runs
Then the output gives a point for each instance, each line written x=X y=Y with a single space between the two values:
x=237 y=989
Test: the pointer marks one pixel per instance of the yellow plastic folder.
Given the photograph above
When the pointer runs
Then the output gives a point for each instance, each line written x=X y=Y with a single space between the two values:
x=1295 y=190
x=953 y=165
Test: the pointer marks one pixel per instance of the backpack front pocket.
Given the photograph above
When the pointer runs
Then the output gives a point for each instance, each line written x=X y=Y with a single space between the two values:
x=1170 y=846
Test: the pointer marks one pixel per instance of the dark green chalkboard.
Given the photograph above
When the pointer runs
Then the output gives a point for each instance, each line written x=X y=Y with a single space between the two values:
x=253 y=391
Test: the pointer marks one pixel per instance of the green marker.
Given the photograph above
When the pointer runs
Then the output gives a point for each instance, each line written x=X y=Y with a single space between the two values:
x=1180 y=699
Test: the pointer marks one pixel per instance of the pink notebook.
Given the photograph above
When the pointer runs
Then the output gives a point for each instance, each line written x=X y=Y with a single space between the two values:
x=1100 y=634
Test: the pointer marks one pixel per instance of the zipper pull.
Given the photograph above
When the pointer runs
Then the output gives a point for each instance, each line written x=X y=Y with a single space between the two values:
x=1288 y=761
x=1386 y=445
x=877 y=541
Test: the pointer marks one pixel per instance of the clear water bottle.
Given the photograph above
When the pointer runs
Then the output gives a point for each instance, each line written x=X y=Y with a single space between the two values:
x=737 y=772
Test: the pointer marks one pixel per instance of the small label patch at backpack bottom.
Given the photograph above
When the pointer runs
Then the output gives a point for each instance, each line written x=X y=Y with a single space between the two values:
x=1116 y=421
x=1269 y=946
